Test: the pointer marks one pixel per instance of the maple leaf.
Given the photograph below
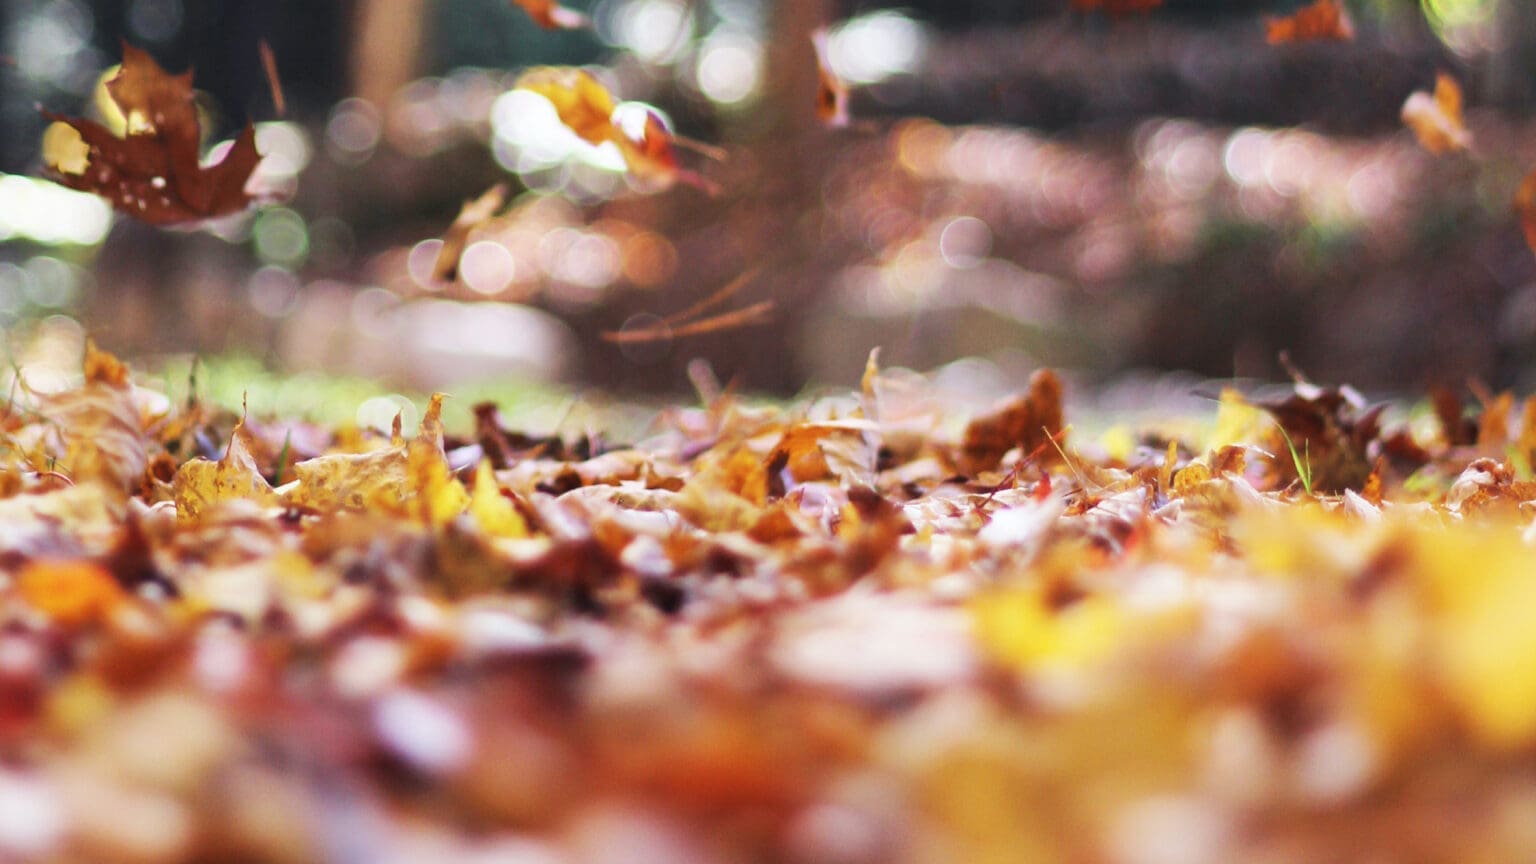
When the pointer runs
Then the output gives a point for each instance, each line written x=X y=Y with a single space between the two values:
x=153 y=172
x=550 y=15
x=831 y=91
x=1436 y=120
x=1323 y=20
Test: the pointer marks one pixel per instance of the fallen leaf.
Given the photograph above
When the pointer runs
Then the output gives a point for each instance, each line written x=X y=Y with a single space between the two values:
x=1323 y=20
x=550 y=15
x=72 y=593
x=831 y=91
x=154 y=172
x=1028 y=421
x=200 y=484
x=1436 y=120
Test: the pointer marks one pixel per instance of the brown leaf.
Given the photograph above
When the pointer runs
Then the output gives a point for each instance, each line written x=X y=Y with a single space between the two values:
x=1436 y=120
x=153 y=173
x=1324 y=20
x=1028 y=421
x=1525 y=206
x=472 y=215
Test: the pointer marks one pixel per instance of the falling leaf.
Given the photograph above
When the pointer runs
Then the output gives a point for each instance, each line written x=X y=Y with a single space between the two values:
x=1323 y=20
x=831 y=91
x=153 y=172
x=1525 y=207
x=472 y=215
x=550 y=15
x=1436 y=120
x=588 y=109
x=275 y=84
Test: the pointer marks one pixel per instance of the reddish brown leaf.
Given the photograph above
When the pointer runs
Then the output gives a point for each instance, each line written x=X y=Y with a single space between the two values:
x=1322 y=21
x=1028 y=421
x=1525 y=206
x=153 y=173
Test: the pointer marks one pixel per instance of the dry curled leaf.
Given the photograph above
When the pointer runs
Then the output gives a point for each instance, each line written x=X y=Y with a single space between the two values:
x=550 y=15
x=1436 y=120
x=1324 y=20
x=154 y=172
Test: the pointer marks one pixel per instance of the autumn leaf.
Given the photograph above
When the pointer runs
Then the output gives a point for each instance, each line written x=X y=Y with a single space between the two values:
x=1525 y=207
x=831 y=91
x=153 y=172
x=200 y=484
x=550 y=15
x=588 y=109
x=472 y=215
x=72 y=593
x=1027 y=421
x=1323 y=20
x=1436 y=120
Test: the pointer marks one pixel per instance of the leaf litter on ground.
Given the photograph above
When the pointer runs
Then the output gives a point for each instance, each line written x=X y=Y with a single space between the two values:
x=925 y=620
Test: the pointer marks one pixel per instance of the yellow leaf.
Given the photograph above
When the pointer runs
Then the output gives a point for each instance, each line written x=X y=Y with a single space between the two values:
x=491 y=510
x=200 y=484
x=1021 y=630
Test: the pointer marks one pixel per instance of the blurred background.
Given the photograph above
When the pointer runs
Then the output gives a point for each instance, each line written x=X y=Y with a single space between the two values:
x=1022 y=185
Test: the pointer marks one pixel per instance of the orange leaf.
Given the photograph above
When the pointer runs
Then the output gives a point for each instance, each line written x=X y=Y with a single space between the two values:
x=551 y=15
x=585 y=106
x=1323 y=20
x=70 y=592
x=1525 y=205
x=269 y=66
x=580 y=100
x=1436 y=120
x=832 y=91
x=153 y=173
